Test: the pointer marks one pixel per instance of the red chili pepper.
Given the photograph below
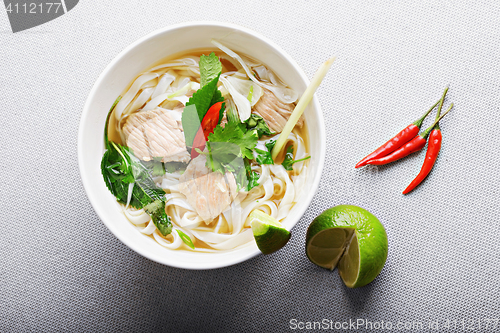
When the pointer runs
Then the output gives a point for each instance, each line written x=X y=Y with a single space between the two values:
x=207 y=126
x=435 y=139
x=414 y=145
x=410 y=132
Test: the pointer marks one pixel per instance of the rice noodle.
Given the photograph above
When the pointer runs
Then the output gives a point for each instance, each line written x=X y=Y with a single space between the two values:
x=170 y=86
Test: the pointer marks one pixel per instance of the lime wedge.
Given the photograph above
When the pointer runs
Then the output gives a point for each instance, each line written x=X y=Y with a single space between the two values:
x=269 y=234
x=351 y=239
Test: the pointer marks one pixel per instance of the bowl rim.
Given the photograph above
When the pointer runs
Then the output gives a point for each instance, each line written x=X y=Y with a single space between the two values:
x=84 y=119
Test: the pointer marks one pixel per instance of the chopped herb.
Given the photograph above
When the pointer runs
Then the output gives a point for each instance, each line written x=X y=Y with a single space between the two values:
x=264 y=157
x=186 y=239
x=270 y=144
x=256 y=122
x=288 y=162
x=236 y=134
x=252 y=176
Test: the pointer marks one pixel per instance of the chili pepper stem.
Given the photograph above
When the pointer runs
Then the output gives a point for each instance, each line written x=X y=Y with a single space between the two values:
x=426 y=133
x=440 y=107
x=419 y=121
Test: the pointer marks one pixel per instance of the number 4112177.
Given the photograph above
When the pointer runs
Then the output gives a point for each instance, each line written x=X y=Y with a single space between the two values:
x=33 y=8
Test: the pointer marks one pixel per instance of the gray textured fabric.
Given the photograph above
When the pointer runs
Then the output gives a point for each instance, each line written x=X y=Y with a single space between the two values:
x=62 y=270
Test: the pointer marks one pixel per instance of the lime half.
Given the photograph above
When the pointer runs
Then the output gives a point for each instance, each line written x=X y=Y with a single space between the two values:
x=351 y=239
x=269 y=234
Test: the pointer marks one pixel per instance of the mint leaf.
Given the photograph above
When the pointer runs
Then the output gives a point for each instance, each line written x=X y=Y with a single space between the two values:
x=190 y=123
x=197 y=107
x=120 y=168
x=288 y=162
x=210 y=68
x=186 y=239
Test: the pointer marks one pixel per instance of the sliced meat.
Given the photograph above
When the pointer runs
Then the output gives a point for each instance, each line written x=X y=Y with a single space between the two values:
x=209 y=193
x=155 y=133
x=274 y=112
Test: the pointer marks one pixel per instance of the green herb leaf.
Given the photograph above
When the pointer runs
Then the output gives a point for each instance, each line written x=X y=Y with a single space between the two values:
x=270 y=145
x=263 y=157
x=186 y=239
x=120 y=170
x=190 y=123
x=256 y=122
x=210 y=68
x=155 y=167
x=252 y=176
x=235 y=133
x=172 y=167
x=198 y=105
x=288 y=162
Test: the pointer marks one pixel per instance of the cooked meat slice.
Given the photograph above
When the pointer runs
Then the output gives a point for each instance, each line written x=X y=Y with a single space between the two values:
x=155 y=133
x=209 y=193
x=274 y=112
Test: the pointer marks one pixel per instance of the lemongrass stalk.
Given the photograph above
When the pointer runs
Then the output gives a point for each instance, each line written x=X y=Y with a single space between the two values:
x=301 y=106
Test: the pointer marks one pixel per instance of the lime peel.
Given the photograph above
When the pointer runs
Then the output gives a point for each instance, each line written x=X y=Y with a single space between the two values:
x=269 y=234
x=351 y=239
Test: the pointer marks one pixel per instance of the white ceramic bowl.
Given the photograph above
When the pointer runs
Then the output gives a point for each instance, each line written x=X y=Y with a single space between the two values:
x=138 y=57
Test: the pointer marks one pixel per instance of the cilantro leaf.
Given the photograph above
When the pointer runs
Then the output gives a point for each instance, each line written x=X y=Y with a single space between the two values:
x=251 y=176
x=229 y=150
x=256 y=122
x=270 y=145
x=288 y=162
x=222 y=156
x=210 y=68
x=263 y=157
x=235 y=133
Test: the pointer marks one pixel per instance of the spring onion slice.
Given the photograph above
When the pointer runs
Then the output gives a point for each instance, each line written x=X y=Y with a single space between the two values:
x=301 y=105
